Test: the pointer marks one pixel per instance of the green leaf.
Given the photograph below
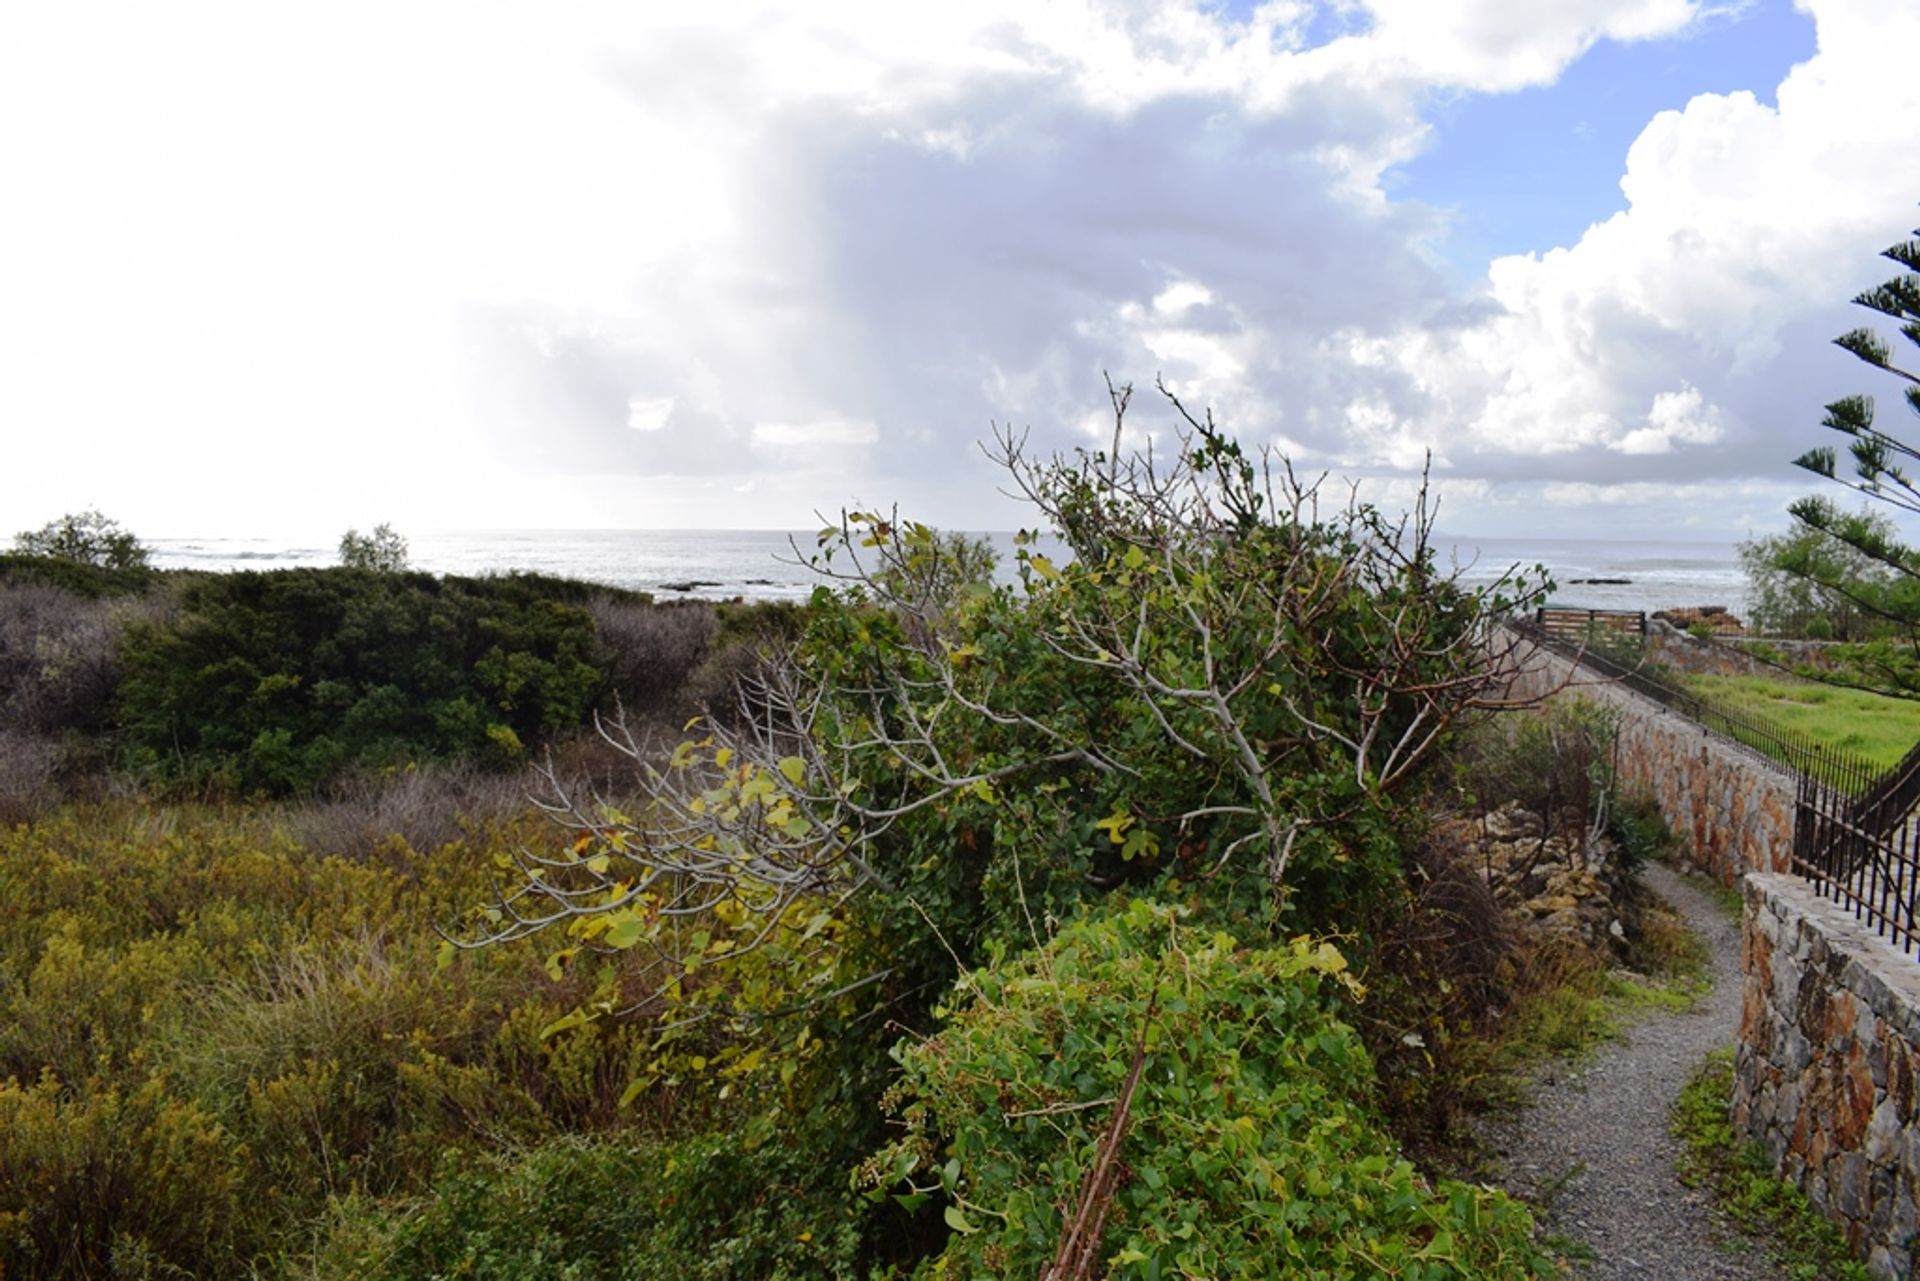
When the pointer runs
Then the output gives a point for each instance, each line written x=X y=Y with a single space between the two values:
x=1140 y=843
x=957 y=1220
x=566 y=1023
x=624 y=934
x=794 y=769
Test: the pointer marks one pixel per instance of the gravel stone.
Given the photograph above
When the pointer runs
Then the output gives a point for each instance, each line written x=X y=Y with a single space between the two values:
x=1593 y=1143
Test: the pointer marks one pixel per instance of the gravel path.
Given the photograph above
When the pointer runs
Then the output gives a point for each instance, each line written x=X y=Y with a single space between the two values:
x=1592 y=1148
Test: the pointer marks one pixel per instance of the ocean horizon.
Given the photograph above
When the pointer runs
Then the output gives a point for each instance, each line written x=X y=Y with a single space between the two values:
x=771 y=564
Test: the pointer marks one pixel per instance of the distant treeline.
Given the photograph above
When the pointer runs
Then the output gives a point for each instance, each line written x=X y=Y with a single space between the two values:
x=280 y=682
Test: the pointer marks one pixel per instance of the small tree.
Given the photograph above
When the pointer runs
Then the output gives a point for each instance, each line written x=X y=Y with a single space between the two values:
x=1224 y=685
x=1858 y=557
x=384 y=550
x=86 y=537
x=1785 y=573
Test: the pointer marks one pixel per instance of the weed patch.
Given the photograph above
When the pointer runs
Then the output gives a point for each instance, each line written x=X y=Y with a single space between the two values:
x=1744 y=1184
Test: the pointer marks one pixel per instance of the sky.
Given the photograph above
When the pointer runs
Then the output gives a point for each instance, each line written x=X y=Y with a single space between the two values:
x=571 y=264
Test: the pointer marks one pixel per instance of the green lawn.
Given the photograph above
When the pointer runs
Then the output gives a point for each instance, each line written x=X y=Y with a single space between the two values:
x=1872 y=726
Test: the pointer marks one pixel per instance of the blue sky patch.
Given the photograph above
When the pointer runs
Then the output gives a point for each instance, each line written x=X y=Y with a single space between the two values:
x=1532 y=170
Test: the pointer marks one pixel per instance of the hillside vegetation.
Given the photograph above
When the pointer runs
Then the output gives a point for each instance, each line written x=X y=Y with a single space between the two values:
x=1095 y=923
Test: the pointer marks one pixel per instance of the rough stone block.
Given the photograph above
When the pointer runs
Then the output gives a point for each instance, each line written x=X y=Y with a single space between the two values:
x=1835 y=1029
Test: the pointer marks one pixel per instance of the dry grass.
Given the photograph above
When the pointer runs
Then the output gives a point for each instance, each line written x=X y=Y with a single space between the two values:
x=654 y=651
x=29 y=776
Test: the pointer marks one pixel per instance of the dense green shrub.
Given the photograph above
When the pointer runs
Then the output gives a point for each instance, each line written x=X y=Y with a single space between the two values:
x=283 y=681
x=1252 y=1149
x=273 y=682
x=78 y=577
x=1639 y=828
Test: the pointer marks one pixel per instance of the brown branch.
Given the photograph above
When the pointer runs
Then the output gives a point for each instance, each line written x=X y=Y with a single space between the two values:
x=1079 y=1252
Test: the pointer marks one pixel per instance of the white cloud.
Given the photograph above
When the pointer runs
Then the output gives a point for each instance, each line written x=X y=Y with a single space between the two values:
x=1676 y=418
x=1746 y=224
x=1500 y=45
x=638 y=243
x=649 y=414
x=827 y=433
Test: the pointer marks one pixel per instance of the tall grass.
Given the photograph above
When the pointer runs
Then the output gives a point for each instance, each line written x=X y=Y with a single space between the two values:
x=1874 y=726
x=195 y=999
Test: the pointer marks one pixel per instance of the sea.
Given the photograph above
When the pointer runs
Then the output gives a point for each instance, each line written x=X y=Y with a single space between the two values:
x=774 y=565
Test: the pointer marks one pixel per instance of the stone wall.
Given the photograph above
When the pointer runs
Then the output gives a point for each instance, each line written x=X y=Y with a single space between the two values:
x=1730 y=655
x=1669 y=645
x=1829 y=1047
x=1732 y=808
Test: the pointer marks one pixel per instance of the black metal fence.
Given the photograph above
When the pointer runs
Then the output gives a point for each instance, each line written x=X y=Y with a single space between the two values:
x=1872 y=870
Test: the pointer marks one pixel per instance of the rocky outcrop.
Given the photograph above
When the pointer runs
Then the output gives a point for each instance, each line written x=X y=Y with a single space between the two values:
x=1714 y=617
x=1551 y=883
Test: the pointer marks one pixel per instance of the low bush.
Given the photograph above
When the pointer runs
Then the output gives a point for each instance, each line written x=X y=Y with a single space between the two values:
x=421 y=807
x=29 y=776
x=745 y=636
x=652 y=651
x=1253 y=1148
x=106 y=1179
x=59 y=657
x=193 y=1008
x=1442 y=975
x=707 y=1208
x=1555 y=760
